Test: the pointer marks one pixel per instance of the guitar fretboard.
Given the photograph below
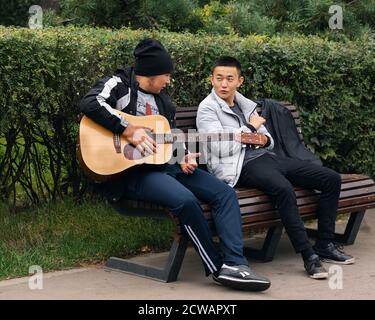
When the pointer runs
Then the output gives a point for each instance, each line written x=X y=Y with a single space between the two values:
x=191 y=137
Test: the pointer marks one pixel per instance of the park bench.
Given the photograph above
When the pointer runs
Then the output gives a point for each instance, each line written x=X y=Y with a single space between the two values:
x=257 y=212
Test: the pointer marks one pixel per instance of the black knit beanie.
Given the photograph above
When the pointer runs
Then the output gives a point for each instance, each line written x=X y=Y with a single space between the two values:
x=151 y=58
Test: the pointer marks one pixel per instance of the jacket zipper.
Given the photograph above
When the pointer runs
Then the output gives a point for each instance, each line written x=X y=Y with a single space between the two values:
x=238 y=161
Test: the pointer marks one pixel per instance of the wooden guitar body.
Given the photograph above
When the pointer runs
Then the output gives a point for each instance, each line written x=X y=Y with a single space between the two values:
x=104 y=155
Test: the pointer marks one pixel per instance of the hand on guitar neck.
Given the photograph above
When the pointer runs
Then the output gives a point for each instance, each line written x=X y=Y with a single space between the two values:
x=253 y=138
x=138 y=137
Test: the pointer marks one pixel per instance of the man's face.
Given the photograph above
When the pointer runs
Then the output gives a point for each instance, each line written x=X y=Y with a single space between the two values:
x=225 y=81
x=158 y=83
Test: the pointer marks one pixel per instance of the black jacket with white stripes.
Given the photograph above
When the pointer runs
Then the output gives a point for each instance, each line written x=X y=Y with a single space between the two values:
x=120 y=92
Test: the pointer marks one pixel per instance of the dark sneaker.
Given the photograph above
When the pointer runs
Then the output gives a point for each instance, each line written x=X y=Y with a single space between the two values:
x=334 y=254
x=315 y=268
x=241 y=277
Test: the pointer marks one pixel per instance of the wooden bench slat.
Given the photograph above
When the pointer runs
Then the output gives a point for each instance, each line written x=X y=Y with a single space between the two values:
x=285 y=103
x=183 y=109
x=185 y=122
x=244 y=193
x=356 y=192
x=186 y=114
x=347 y=185
x=354 y=176
x=263 y=199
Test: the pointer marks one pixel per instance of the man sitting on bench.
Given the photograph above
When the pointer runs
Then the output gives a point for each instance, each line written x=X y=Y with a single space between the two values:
x=225 y=109
x=139 y=91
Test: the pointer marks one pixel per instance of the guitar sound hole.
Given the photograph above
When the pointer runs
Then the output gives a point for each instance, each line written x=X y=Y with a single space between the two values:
x=132 y=153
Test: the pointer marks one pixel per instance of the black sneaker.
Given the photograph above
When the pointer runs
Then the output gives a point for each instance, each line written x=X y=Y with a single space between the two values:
x=315 y=268
x=333 y=254
x=241 y=277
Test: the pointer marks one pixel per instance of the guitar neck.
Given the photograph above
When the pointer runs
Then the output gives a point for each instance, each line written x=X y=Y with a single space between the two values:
x=192 y=137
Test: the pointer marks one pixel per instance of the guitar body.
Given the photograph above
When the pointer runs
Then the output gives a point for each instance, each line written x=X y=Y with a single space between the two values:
x=104 y=155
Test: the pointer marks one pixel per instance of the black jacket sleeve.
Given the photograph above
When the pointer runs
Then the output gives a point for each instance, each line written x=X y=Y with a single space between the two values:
x=100 y=102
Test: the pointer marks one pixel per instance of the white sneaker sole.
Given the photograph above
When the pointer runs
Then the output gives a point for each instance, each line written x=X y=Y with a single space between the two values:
x=349 y=261
x=322 y=275
x=250 y=285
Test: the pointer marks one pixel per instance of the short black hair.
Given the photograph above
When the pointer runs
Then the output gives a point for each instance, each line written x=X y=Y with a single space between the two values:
x=227 y=61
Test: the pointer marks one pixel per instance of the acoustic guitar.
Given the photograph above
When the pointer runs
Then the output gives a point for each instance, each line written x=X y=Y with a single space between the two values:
x=104 y=155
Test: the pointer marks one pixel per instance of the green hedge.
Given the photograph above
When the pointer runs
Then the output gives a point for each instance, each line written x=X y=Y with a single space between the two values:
x=44 y=73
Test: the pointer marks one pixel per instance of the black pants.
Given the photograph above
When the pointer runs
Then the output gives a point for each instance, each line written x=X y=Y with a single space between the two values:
x=276 y=176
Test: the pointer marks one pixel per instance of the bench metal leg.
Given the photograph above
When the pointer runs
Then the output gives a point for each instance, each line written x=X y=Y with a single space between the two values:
x=351 y=230
x=270 y=243
x=167 y=274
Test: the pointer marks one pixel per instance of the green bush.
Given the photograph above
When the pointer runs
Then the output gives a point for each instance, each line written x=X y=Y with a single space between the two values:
x=15 y=12
x=243 y=17
x=312 y=16
x=44 y=73
x=245 y=20
x=174 y=15
x=112 y=13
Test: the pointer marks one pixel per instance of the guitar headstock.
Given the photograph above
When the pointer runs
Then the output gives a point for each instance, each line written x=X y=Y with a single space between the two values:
x=251 y=138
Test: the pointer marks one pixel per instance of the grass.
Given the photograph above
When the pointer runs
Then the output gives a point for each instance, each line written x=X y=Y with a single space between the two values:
x=66 y=234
